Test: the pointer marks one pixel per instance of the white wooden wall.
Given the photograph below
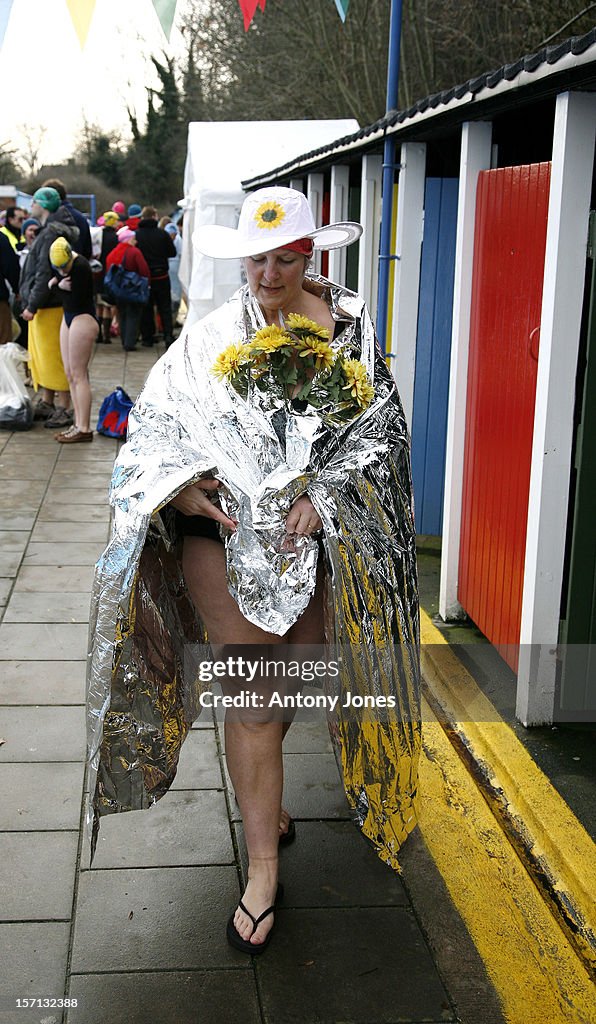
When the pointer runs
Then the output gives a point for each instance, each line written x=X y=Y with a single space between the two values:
x=408 y=245
x=338 y=211
x=564 y=270
x=475 y=157
x=370 y=218
x=314 y=194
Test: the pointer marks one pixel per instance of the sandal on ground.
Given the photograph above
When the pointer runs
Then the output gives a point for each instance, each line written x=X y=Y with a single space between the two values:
x=289 y=835
x=74 y=436
x=245 y=945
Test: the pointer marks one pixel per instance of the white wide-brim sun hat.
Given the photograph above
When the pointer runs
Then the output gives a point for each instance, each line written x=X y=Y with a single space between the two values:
x=272 y=218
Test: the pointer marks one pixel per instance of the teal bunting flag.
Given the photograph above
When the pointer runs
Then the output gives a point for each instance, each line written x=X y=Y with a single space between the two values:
x=165 y=10
x=342 y=8
x=5 y=8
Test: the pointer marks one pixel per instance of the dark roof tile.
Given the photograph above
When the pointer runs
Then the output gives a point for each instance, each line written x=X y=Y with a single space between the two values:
x=476 y=84
x=494 y=78
x=534 y=60
x=511 y=71
x=461 y=90
x=554 y=53
x=579 y=44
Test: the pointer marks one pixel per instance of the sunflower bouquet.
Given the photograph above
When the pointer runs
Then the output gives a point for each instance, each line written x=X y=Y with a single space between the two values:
x=296 y=364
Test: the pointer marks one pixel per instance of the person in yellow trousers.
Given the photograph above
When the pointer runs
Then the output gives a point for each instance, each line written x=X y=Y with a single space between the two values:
x=43 y=310
x=78 y=333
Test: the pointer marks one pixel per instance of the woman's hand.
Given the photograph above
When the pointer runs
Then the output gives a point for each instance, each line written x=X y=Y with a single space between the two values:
x=193 y=501
x=27 y=314
x=303 y=517
x=65 y=284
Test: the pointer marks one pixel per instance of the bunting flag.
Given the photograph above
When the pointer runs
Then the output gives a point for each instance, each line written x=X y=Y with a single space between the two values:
x=342 y=8
x=165 y=10
x=5 y=8
x=81 y=12
x=249 y=8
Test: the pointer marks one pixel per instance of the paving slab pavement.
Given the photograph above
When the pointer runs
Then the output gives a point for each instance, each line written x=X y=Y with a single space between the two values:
x=140 y=936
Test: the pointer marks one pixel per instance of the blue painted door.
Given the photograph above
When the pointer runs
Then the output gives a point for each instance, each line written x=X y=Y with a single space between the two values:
x=433 y=351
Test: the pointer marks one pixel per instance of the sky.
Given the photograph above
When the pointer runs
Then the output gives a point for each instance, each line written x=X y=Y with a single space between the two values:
x=55 y=85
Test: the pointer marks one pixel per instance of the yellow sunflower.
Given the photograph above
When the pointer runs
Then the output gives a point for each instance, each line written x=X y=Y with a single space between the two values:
x=269 y=214
x=268 y=339
x=319 y=350
x=229 y=361
x=358 y=383
x=295 y=321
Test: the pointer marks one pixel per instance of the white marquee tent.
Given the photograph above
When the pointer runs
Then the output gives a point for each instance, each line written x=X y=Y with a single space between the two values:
x=220 y=155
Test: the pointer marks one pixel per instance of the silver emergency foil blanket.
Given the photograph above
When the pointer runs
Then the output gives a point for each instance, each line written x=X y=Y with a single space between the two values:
x=142 y=698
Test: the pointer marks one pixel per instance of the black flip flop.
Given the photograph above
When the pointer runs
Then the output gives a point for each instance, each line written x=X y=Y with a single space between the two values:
x=289 y=836
x=245 y=945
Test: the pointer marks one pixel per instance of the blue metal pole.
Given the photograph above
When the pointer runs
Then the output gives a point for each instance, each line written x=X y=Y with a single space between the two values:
x=385 y=255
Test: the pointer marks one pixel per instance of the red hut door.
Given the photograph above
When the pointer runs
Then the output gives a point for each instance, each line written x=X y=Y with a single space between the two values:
x=510 y=239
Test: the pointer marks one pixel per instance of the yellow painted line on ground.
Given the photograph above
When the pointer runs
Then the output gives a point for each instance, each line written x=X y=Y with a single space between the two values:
x=548 y=836
x=534 y=969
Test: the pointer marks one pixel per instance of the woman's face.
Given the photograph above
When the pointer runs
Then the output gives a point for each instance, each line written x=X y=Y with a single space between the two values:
x=275 y=278
x=30 y=234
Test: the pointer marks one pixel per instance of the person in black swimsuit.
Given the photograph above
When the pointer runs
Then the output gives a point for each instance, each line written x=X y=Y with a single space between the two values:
x=78 y=333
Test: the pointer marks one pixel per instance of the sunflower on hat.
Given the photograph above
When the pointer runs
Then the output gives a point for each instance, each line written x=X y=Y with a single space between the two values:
x=269 y=214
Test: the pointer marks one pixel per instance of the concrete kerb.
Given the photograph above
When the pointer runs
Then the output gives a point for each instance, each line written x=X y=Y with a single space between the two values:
x=551 y=843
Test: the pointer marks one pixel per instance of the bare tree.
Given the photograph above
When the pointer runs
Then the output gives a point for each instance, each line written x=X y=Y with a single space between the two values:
x=10 y=171
x=298 y=61
x=444 y=43
x=32 y=140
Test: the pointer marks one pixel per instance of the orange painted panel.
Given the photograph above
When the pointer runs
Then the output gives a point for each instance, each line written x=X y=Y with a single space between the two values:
x=510 y=240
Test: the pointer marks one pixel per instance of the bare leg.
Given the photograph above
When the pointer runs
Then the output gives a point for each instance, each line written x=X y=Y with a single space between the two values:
x=79 y=342
x=253 y=747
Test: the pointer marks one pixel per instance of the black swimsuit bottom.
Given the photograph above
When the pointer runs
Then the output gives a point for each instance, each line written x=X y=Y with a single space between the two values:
x=203 y=526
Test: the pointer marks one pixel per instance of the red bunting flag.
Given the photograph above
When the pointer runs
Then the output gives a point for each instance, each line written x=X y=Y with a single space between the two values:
x=248 y=8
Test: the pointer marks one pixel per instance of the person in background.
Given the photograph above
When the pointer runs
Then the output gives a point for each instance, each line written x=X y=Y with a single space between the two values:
x=157 y=248
x=163 y=221
x=9 y=275
x=105 y=309
x=119 y=208
x=78 y=332
x=174 y=266
x=84 y=242
x=134 y=216
x=43 y=310
x=128 y=255
x=13 y=226
x=30 y=227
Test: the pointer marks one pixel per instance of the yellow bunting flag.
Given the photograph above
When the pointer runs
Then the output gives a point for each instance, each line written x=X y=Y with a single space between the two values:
x=81 y=12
